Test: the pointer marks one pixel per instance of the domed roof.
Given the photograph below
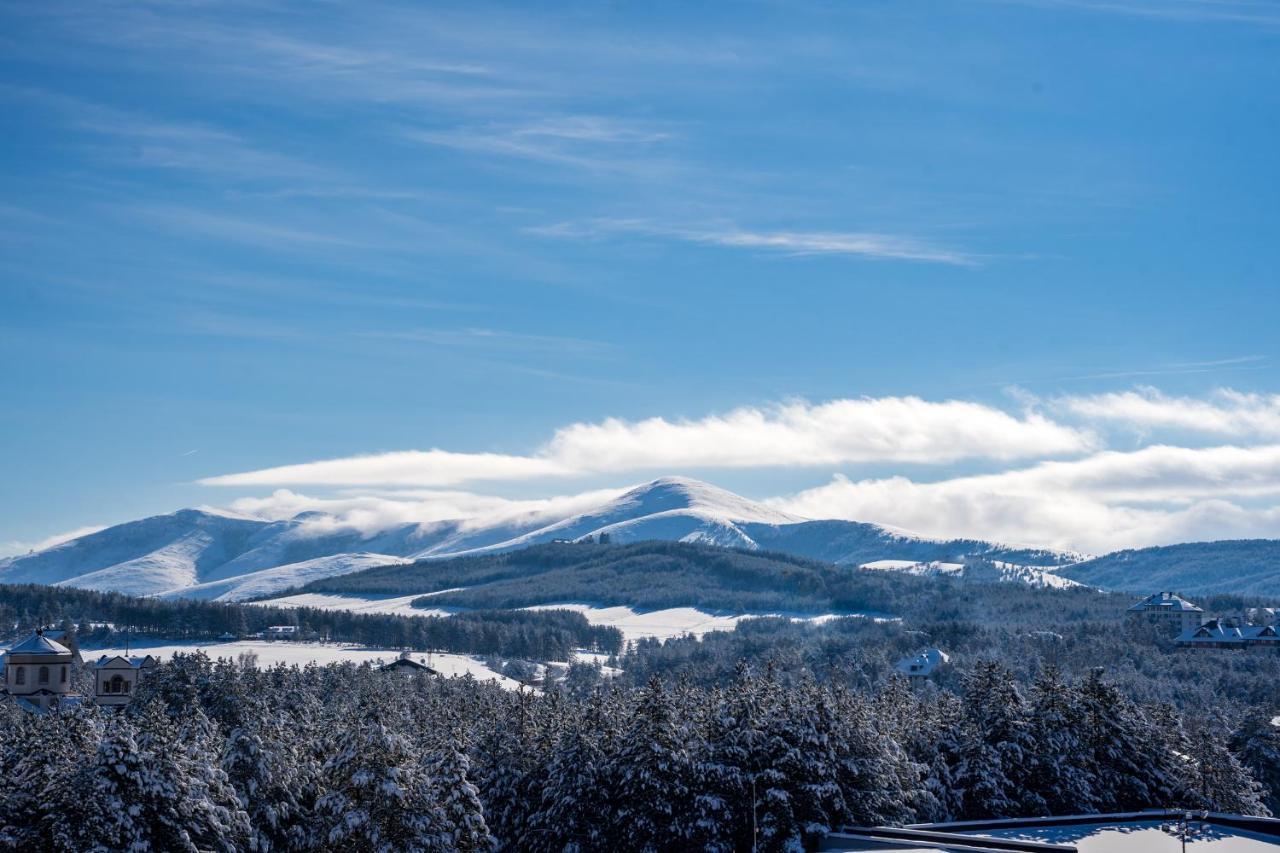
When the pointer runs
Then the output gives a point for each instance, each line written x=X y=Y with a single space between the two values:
x=39 y=644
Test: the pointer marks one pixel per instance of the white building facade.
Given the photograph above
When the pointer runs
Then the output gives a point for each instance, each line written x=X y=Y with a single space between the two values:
x=38 y=672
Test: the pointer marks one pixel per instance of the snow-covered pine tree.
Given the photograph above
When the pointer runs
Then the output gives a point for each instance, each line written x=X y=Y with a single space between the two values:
x=504 y=749
x=378 y=795
x=216 y=819
x=880 y=782
x=461 y=817
x=1223 y=783
x=1061 y=769
x=1137 y=762
x=265 y=769
x=652 y=769
x=1257 y=743
x=574 y=808
x=998 y=749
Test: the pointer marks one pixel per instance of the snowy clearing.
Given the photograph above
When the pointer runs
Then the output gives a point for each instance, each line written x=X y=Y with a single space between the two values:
x=396 y=605
x=287 y=652
x=634 y=624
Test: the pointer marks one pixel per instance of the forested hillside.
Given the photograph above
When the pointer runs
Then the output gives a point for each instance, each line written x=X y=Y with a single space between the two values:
x=657 y=574
x=1244 y=566
x=101 y=618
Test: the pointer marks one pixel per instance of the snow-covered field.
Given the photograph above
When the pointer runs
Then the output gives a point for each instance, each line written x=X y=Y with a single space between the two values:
x=286 y=652
x=634 y=624
x=668 y=623
x=396 y=605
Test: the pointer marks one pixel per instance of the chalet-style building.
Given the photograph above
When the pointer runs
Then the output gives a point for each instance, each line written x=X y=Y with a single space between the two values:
x=281 y=632
x=37 y=673
x=116 y=678
x=407 y=665
x=1225 y=634
x=1167 y=609
x=922 y=666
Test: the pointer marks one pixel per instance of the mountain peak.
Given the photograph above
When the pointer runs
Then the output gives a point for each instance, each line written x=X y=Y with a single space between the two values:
x=672 y=493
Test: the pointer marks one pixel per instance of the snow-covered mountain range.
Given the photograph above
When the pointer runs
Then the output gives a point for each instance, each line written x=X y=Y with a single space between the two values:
x=214 y=554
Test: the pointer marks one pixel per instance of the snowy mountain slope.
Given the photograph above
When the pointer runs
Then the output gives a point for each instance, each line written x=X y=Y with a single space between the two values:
x=666 y=508
x=211 y=554
x=270 y=581
x=979 y=569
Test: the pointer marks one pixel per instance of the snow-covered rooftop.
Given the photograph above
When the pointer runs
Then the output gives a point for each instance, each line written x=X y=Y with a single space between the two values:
x=1164 y=601
x=39 y=644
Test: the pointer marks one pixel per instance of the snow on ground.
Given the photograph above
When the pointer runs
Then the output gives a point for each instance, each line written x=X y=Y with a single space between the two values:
x=396 y=605
x=913 y=568
x=287 y=652
x=634 y=625
x=280 y=578
x=673 y=621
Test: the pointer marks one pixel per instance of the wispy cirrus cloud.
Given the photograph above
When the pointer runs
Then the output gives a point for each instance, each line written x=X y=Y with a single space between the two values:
x=898 y=429
x=1256 y=12
x=855 y=243
x=495 y=339
x=589 y=143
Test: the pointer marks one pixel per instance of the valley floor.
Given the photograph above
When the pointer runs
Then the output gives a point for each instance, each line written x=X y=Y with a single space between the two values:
x=634 y=624
x=288 y=652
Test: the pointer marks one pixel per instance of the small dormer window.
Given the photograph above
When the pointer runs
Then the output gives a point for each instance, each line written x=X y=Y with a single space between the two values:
x=44 y=675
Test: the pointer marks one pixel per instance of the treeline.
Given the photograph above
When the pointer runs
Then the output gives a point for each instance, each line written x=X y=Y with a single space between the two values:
x=860 y=654
x=100 y=617
x=657 y=574
x=227 y=757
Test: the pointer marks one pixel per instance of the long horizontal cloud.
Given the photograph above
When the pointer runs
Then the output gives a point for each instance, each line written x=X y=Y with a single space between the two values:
x=1226 y=412
x=1102 y=502
x=888 y=429
x=378 y=511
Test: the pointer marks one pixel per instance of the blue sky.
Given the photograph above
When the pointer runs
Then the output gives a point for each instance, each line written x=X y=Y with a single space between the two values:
x=239 y=236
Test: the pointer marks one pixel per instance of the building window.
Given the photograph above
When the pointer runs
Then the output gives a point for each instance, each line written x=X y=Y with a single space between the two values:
x=115 y=685
x=21 y=677
x=64 y=675
x=127 y=685
x=44 y=675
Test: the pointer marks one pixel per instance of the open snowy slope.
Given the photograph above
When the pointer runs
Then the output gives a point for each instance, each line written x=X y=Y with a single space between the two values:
x=270 y=581
x=211 y=554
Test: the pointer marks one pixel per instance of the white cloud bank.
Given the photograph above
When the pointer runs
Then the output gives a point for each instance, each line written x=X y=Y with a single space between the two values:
x=1103 y=502
x=839 y=432
x=1060 y=485
x=1225 y=412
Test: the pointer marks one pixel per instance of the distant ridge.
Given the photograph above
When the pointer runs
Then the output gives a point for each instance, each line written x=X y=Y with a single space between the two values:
x=220 y=555
x=1241 y=566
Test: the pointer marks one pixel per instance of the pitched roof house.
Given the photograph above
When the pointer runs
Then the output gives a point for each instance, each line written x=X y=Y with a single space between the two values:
x=924 y=664
x=38 y=673
x=115 y=677
x=1223 y=634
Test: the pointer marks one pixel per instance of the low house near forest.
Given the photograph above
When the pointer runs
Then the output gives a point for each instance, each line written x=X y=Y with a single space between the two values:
x=115 y=678
x=1225 y=634
x=38 y=674
x=407 y=665
x=921 y=666
x=281 y=632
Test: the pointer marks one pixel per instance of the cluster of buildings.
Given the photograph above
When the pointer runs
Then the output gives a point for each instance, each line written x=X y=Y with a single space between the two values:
x=1188 y=623
x=38 y=674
